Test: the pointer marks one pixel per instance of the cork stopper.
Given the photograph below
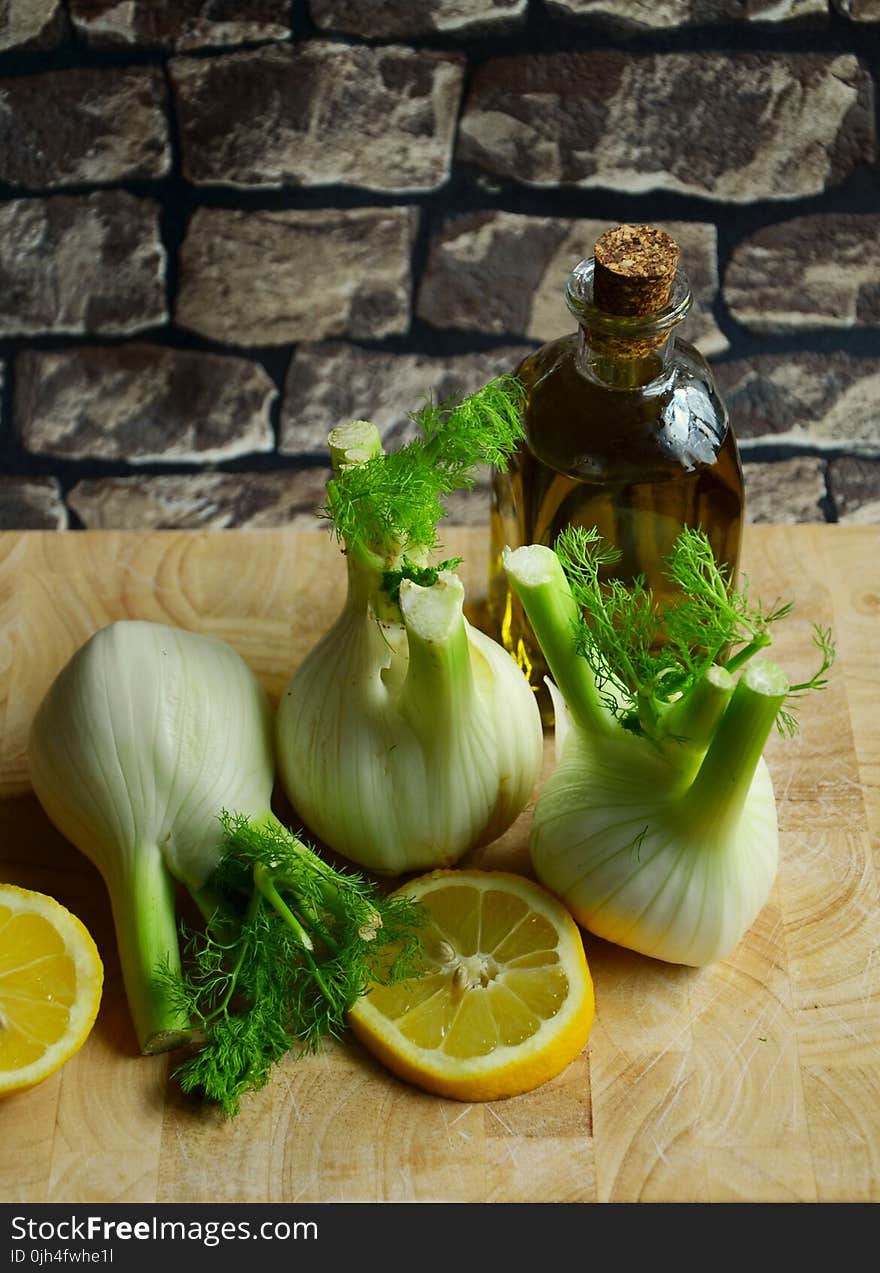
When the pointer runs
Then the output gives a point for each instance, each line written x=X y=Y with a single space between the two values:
x=634 y=270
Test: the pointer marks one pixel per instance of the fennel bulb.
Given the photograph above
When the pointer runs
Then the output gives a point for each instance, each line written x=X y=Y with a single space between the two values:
x=152 y=753
x=144 y=737
x=407 y=736
x=657 y=826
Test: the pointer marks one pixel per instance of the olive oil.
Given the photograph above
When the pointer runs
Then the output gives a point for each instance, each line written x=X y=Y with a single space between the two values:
x=624 y=431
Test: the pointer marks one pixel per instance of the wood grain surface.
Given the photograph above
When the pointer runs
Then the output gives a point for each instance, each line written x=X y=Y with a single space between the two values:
x=757 y=1079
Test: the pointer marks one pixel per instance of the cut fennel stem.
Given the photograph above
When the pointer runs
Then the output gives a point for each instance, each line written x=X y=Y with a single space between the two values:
x=667 y=846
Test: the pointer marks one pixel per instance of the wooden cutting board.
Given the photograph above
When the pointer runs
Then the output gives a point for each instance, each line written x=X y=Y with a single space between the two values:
x=757 y=1079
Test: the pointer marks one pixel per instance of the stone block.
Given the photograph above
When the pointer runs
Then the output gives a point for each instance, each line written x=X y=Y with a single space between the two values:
x=783 y=125
x=485 y=269
x=140 y=403
x=858 y=10
x=330 y=384
x=504 y=273
x=179 y=24
x=31 y=24
x=270 y=278
x=31 y=503
x=785 y=491
x=85 y=125
x=81 y=263
x=813 y=271
x=396 y=18
x=202 y=501
x=820 y=400
x=854 y=485
x=679 y=13
x=319 y=114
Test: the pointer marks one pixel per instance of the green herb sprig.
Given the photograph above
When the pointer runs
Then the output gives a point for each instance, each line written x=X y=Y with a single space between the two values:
x=289 y=944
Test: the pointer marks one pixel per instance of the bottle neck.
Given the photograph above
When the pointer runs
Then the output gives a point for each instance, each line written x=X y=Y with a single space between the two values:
x=621 y=363
x=625 y=351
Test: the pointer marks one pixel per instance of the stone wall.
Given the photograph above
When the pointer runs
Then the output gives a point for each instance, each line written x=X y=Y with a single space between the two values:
x=226 y=227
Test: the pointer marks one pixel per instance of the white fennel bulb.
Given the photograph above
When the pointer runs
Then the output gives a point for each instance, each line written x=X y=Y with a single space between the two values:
x=144 y=737
x=407 y=736
x=675 y=871
x=658 y=825
x=404 y=745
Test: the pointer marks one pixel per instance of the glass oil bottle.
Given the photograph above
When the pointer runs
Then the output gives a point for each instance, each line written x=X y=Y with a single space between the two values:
x=624 y=430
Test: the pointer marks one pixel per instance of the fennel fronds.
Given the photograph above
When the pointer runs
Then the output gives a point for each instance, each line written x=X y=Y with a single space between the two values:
x=289 y=945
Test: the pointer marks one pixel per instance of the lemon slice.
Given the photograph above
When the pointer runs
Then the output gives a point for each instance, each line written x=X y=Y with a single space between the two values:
x=51 y=979
x=503 y=1001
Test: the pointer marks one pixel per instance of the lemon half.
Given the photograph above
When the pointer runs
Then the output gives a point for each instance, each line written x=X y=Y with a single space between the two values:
x=504 y=1000
x=51 y=980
